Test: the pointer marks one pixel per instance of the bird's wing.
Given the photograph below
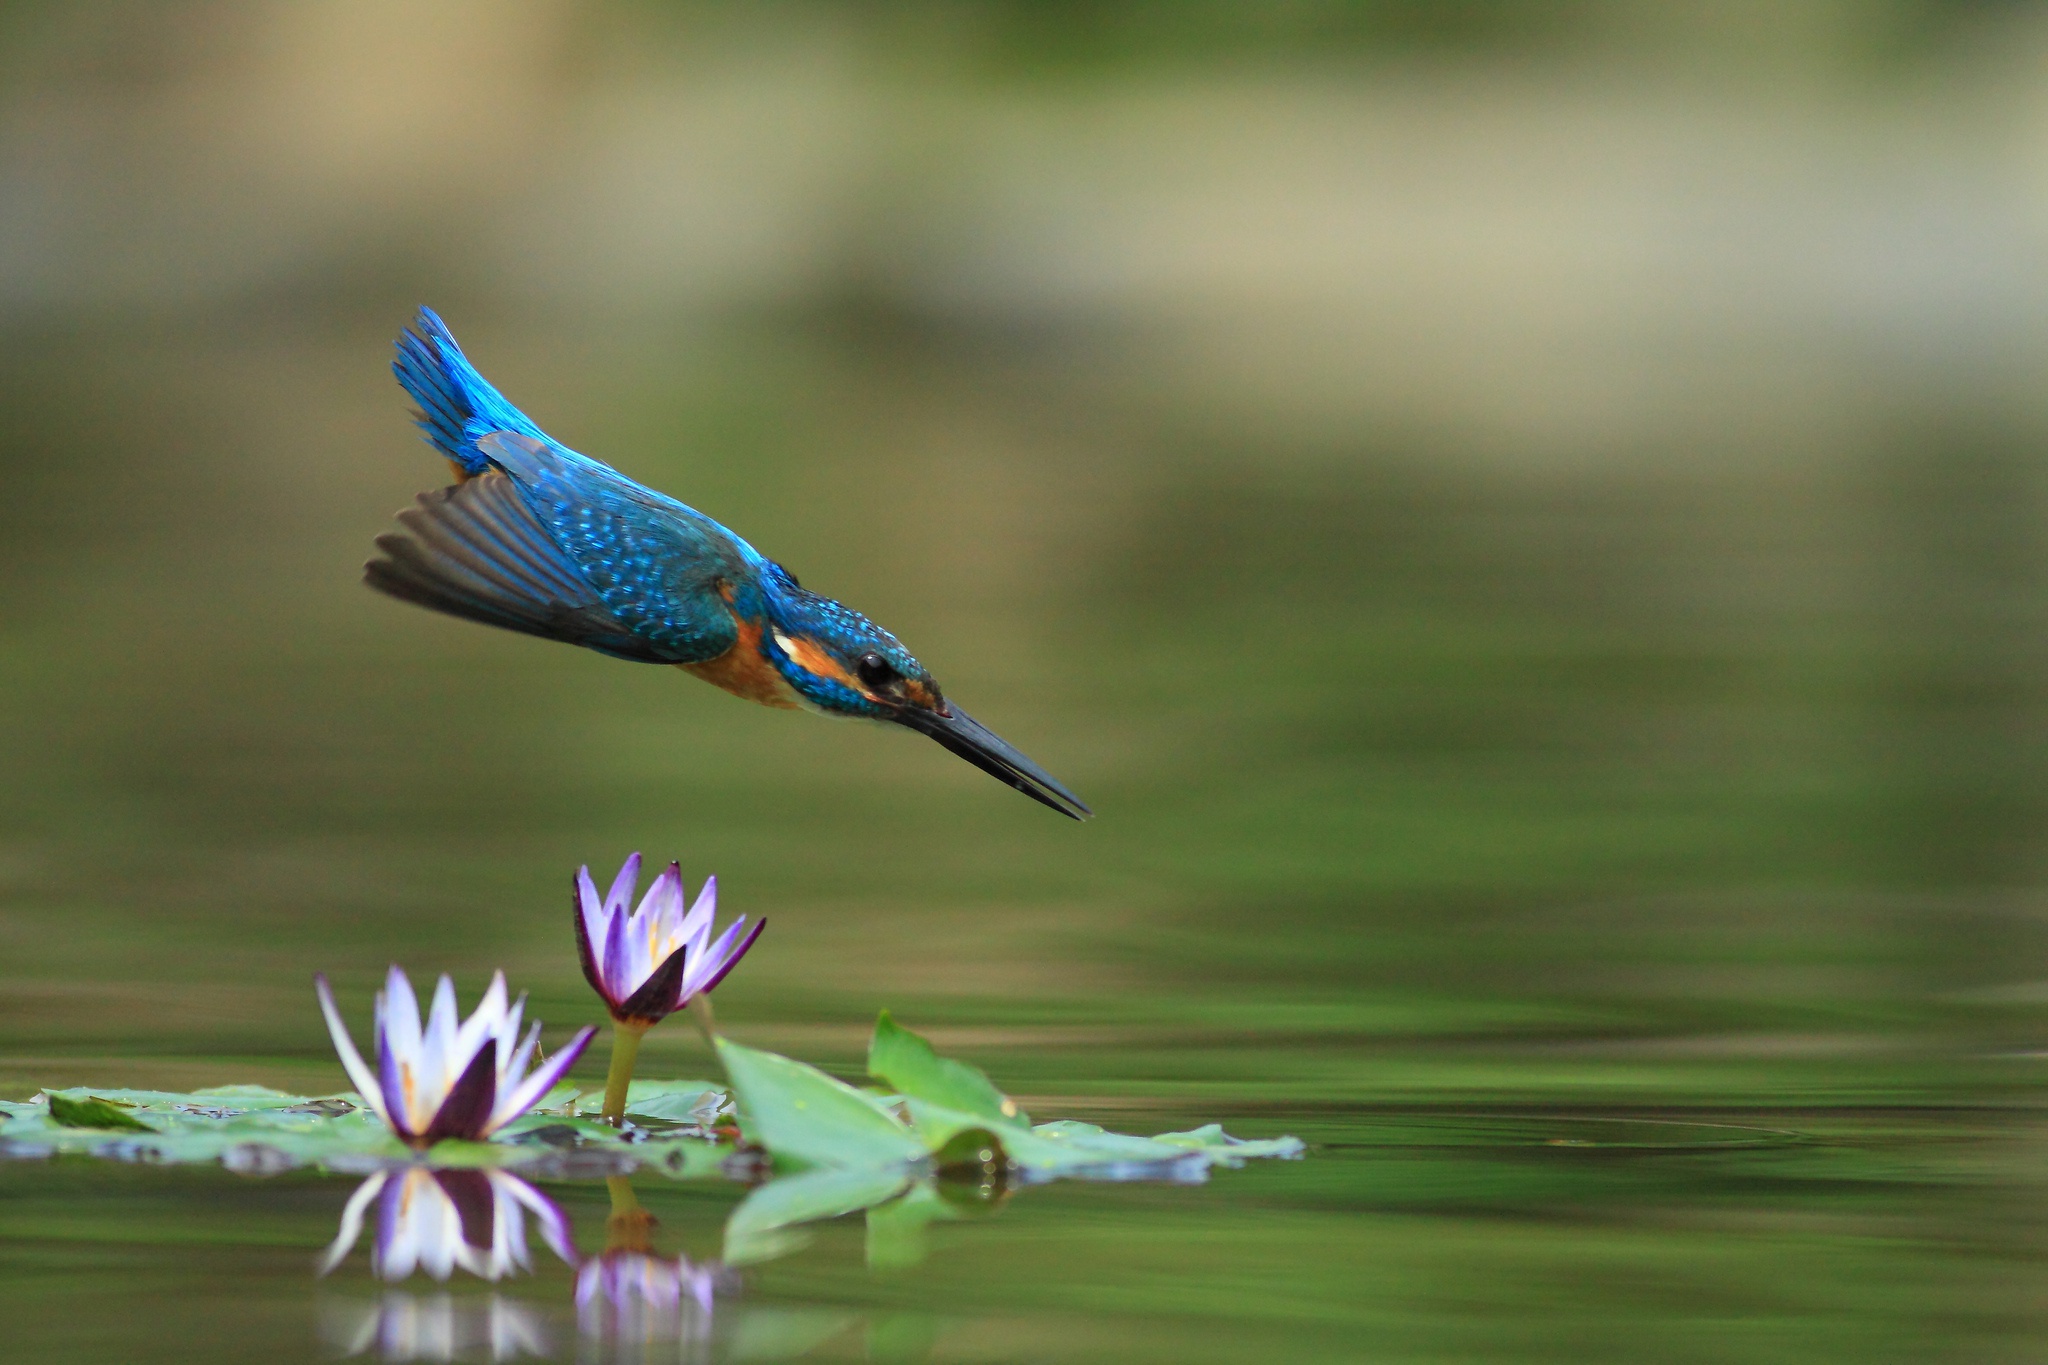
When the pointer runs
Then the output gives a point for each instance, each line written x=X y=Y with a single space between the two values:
x=659 y=568
x=476 y=550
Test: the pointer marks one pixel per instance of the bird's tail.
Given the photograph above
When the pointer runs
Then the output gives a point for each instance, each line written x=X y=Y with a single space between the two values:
x=457 y=405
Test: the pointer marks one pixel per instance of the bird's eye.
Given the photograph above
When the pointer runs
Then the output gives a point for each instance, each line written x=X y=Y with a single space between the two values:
x=874 y=670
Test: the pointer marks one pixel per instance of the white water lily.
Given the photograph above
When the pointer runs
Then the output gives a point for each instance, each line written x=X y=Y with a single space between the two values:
x=452 y=1078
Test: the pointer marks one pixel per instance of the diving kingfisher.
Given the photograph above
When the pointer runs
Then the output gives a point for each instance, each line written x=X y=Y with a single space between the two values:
x=534 y=537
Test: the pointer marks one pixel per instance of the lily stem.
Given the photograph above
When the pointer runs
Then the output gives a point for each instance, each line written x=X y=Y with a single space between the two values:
x=625 y=1051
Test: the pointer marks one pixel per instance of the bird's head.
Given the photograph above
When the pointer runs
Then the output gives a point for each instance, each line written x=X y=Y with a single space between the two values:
x=841 y=663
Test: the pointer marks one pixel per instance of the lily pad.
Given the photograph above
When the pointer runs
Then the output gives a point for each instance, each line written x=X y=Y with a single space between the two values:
x=258 y=1131
x=1221 y=1147
x=94 y=1112
x=804 y=1117
x=800 y=1114
x=907 y=1062
x=698 y=1102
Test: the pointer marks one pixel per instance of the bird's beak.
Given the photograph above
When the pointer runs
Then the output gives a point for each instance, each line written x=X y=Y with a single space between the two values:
x=986 y=750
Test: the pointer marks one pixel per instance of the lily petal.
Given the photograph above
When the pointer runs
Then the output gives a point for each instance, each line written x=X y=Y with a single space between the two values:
x=696 y=927
x=660 y=995
x=589 y=933
x=508 y=1079
x=439 y=1064
x=619 y=979
x=528 y=1092
x=621 y=894
x=733 y=961
x=466 y=1112
x=660 y=911
x=359 y=1075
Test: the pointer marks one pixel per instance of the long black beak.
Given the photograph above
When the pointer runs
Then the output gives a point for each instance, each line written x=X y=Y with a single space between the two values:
x=986 y=750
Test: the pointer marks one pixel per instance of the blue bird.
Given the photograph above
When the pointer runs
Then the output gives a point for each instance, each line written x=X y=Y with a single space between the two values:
x=534 y=537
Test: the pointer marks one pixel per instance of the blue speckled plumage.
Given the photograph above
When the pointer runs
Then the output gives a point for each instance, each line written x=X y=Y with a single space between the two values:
x=537 y=538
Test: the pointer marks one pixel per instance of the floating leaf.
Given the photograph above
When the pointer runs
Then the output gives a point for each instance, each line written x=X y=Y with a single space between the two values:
x=1222 y=1147
x=1088 y=1137
x=257 y=1130
x=799 y=1113
x=906 y=1061
x=698 y=1102
x=94 y=1112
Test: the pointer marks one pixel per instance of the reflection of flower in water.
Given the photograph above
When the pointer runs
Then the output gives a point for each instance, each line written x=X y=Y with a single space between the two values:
x=436 y=1221
x=403 y=1326
x=632 y=1296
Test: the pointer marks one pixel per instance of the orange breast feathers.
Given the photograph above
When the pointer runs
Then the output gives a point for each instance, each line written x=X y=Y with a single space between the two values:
x=745 y=672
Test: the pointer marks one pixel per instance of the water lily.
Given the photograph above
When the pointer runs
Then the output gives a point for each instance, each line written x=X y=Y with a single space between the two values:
x=450 y=1079
x=650 y=963
x=438 y=1221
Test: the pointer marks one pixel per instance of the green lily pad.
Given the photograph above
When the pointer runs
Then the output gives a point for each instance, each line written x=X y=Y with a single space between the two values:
x=259 y=1131
x=907 y=1061
x=699 y=1102
x=800 y=1114
x=806 y=1117
x=94 y=1112
x=1219 y=1146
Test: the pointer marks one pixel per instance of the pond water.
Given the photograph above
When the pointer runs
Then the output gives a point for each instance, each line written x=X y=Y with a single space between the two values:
x=1623 y=873
x=1536 y=1236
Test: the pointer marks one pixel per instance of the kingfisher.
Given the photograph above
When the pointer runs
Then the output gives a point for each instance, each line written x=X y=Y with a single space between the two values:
x=536 y=538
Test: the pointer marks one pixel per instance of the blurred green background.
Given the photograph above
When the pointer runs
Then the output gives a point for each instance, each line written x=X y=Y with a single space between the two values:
x=1526 y=520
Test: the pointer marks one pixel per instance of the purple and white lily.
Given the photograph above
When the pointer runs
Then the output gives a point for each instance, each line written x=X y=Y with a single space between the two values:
x=450 y=1079
x=650 y=963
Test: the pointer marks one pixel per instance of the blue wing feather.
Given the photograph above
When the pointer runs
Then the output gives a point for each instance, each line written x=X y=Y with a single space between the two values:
x=456 y=403
x=476 y=551
x=657 y=566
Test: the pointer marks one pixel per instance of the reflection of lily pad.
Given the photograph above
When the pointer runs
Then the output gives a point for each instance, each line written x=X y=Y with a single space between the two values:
x=760 y=1228
x=896 y=1229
